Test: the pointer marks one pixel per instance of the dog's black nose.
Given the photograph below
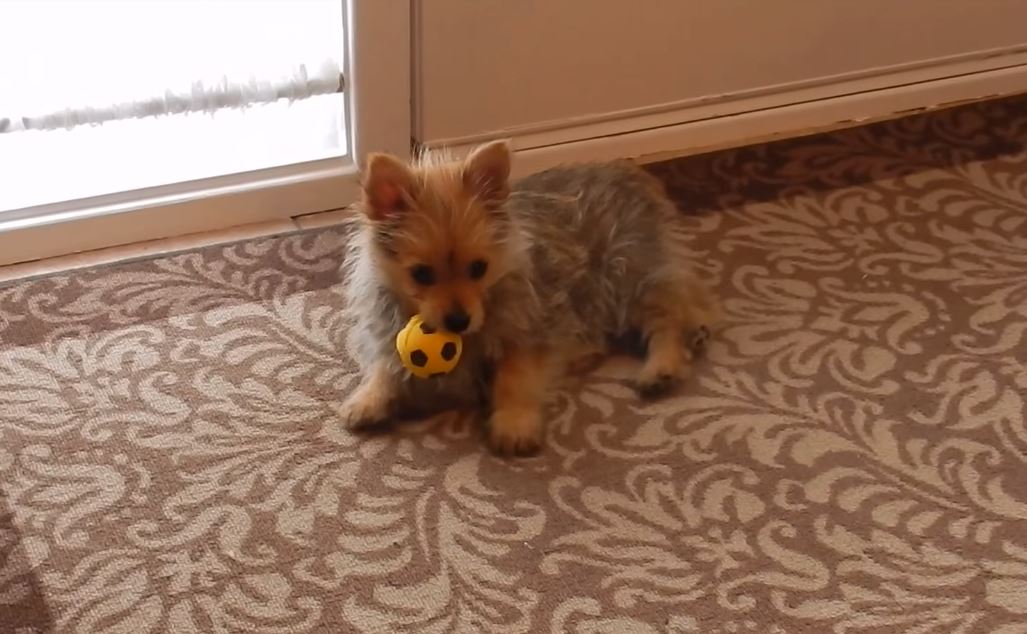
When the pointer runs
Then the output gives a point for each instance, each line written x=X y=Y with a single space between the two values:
x=457 y=321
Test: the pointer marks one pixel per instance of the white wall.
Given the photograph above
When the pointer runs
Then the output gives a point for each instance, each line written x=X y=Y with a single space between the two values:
x=533 y=69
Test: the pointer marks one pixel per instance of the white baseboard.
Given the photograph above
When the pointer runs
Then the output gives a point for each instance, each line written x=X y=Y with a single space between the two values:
x=757 y=125
x=601 y=124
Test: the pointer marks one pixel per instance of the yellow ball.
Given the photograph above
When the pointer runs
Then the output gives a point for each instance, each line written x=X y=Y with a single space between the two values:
x=427 y=352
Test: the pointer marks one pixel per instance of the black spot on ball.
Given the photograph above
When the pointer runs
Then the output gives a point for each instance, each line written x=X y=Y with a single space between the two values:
x=419 y=358
x=426 y=329
x=449 y=351
x=437 y=375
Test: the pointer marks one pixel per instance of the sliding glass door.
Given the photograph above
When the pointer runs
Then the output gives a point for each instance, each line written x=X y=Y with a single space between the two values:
x=118 y=107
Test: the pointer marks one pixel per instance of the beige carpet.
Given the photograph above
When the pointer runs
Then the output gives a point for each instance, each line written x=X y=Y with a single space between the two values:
x=852 y=456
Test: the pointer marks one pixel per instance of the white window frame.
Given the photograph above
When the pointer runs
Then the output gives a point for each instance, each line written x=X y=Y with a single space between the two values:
x=378 y=117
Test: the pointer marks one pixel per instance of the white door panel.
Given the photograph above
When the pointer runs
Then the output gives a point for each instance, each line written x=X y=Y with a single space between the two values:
x=489 y=68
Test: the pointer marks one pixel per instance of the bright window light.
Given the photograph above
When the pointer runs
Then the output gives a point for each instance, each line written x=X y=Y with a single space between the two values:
x=109 y=96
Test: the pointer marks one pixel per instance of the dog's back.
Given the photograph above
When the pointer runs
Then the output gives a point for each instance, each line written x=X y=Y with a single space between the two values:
x=603 y=234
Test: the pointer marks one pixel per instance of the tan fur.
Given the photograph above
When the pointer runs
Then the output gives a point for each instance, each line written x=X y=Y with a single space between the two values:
x=449 y=229
x=522 y=379
x=574 y=255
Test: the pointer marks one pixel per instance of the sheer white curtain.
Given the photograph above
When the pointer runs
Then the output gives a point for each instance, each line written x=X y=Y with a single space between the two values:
x=64 y=64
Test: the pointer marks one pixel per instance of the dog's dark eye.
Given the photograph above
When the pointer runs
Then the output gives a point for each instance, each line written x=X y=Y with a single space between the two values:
x=422 y=274
x=477 y=269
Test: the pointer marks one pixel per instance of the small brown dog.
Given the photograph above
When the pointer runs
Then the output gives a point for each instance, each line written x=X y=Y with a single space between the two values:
x=533 y=274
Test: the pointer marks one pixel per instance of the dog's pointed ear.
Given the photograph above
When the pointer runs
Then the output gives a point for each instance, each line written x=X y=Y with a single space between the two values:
x=487 y=172
x=388 y=187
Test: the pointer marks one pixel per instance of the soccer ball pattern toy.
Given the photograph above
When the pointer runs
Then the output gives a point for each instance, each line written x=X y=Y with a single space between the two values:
x=427 y=352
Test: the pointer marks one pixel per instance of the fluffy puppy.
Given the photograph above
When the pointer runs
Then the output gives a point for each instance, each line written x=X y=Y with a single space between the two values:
x=532 y=274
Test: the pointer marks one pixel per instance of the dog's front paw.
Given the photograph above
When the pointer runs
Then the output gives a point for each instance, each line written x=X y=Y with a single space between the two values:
x=515 y=432
x=362 y=410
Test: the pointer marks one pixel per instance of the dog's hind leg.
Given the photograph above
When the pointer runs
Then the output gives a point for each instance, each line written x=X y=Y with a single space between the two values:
x=667 y=312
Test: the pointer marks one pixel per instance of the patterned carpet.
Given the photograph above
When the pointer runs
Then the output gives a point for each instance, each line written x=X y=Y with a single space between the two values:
x=851 y=456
